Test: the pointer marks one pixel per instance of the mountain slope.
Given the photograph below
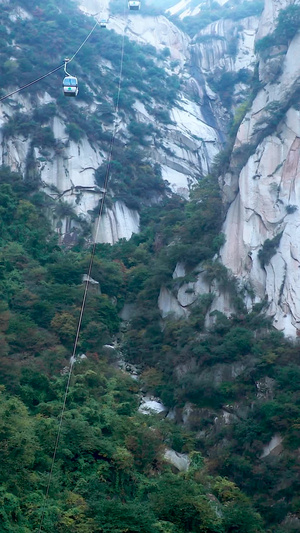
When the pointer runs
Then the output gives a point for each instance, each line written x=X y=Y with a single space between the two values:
x=176 y=136
x=199 y=333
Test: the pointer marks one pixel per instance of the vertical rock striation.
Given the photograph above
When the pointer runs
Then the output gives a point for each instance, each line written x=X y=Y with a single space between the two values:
x=262 y=226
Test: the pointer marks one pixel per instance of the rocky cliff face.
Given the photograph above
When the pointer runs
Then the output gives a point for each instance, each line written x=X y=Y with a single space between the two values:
x=190 y=141
x=264 y=214
x=260 y=189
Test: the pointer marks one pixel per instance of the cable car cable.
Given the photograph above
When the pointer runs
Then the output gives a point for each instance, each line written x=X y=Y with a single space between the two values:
x=51 y=71
x=86 y=39
x=93 y=251
x=31 y=83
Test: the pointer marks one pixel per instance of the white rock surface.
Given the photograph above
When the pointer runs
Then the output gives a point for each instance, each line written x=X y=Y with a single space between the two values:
x=89 y=279
x=151 y=405
x=97 y=8
x=268 y=20
x=217 y=56
x=190 y=144
x=268 y=186
x=274 y=446
x=19 y=13
x=182 y=5
x=168 y=305
x=188 y=293
x=267 y=202
x=120 y=222
x=157 y=31
x=179 y=271
x=187 y=8
x=181 y=461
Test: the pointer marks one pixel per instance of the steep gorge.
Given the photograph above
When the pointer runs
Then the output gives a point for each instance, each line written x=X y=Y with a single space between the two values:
x=199 y=331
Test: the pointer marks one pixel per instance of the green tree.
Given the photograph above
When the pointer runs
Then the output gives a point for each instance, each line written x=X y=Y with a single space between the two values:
x=65 y=325
x=18 y=444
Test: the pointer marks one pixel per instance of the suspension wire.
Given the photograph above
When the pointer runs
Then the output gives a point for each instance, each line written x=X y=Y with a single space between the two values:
x=85 y=40
x=31 y=83
x=51 y=71
x=93 y=251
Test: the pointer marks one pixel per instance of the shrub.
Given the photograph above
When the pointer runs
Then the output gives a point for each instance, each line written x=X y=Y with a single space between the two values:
x=74 y=131
x=288 y=23
x=291 y=209
x=269 y=249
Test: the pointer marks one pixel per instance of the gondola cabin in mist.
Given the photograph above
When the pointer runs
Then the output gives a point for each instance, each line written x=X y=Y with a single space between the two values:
x=134 y=5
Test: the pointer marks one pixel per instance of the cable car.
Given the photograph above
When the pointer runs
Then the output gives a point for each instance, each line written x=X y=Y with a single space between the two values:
x=103 y=23
x=70 y=83
x=134 y=5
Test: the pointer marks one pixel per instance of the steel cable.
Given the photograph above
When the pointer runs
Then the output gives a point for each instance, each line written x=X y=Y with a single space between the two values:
x=51 y=71
x=93 y=251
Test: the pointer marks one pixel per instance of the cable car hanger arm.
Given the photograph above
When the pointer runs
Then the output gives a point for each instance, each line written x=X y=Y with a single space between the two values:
x=67 y=60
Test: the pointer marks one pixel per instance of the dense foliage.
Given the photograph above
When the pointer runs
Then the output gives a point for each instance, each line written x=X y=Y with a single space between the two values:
x=132 y=179
x=110 y=474
x=287 y=26
x=239 y=369
x=103 y=460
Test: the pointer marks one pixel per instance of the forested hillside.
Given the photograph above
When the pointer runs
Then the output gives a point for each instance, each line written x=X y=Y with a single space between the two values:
x=229 y=382
x=103 y=436
x=110 y=474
